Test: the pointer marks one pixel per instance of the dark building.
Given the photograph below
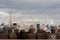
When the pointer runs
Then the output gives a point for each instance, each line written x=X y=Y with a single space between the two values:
x=38 y=26
x=5 y=28
x=14 y=25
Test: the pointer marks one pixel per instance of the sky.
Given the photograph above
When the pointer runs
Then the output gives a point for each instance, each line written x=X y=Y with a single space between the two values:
x=28 y=10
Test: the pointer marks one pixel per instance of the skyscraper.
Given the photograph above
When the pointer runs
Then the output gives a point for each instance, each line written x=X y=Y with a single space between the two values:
x=22 y=25
x=10 y=21
x=38 y=26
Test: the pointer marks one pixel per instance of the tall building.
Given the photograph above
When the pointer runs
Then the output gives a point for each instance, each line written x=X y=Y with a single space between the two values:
x=10 y=21
x=31 y=26
x=43 y=27
x=22 y=25
x=38 y=26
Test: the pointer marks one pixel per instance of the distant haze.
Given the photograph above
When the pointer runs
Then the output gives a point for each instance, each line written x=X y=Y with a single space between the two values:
x=27 y=10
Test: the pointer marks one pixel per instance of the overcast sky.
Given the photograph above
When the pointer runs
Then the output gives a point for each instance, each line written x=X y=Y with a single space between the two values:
x=42 y=10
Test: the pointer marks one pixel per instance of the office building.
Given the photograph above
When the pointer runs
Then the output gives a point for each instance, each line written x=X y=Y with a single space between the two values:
x=38 y=26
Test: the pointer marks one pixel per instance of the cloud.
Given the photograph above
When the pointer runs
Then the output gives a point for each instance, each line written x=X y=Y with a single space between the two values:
x=27 y=4
x=31 y=9
x=42 y=1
